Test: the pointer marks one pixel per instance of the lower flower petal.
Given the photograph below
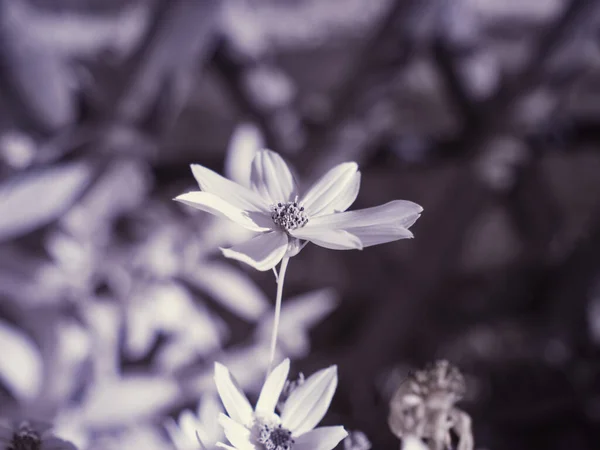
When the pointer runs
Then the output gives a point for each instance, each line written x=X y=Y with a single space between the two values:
x=211 y=203
x=328 y=238
x=380 y=234
x=322 y=438
x=237 y=434
x=263 y=252
x=402 y=213
x=307 y=405
x=372 y=226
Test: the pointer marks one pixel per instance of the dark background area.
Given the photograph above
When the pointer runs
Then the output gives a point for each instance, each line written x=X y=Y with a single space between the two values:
x=485 y=112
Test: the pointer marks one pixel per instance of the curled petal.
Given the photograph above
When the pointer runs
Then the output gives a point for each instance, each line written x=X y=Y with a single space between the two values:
x=271 y=177
x=333 y=192
x=307 y=405
x=238 y=435
x=263 y=252
x=271 y=390
x=322 y=438
x=233 y=193
x=377 y=225
x=328 y=238
x=205 y=201
x=236 y=404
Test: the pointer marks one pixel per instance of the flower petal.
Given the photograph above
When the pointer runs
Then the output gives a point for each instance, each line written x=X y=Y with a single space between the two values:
x=401 y=212
x=177 y=436
x=189 y=424
x=328 y=238
x=225 y=446
x=233 y=193
x=322 y=438
x=271 y=177
x=372 y=226
x=333 y=192
x=271 y=390
x=307 y=405
x=211 y=203
x=263 y=252
x=237 y=434
x=236 y=404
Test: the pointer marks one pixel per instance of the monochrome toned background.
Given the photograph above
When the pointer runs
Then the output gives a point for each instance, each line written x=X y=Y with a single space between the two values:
x=115 y=301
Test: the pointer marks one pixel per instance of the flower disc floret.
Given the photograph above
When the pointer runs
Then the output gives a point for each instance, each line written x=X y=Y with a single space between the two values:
x=289 y=215
x=275 y=437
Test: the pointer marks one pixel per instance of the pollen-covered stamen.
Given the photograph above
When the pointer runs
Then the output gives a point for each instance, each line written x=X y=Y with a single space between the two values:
x=289 y=215
x=25 y=439
x=275 y=438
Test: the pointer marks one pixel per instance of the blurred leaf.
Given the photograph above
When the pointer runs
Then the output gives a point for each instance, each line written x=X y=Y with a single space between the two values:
x=232 y=288
x=170 y=309
x=21 y=366
x=120 y=189
x=128 y=400
x=298 y=316
x=245 y=141
x=35 y=199
x=87 y=34
x=35 y=75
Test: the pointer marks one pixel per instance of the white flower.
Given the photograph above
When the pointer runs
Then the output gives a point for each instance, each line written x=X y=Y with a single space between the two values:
x=286 y=220
x=203 y=425
x=262 y=429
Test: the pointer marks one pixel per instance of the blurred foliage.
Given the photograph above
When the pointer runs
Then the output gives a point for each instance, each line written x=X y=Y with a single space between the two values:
x=115 y=302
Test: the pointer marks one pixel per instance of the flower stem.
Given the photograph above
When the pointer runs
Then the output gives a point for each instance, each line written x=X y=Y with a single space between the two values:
x=280 y=280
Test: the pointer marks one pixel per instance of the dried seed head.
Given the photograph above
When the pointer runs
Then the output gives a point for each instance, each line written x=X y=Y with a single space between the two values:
x=440 y=379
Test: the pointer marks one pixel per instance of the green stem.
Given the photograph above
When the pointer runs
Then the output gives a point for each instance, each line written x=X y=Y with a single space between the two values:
x=280 y=280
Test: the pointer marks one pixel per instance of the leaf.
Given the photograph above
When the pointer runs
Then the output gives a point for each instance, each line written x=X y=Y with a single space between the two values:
x=298 y=316
x=232 y=288
x=36 y=75
x=35 y=199
x=21 y=366
x=128 y=400
x=245 y=142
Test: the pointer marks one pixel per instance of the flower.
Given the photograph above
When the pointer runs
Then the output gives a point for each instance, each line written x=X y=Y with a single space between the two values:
x=286 y=221
x=191 y=431
x=262 y=429
x=30 y=435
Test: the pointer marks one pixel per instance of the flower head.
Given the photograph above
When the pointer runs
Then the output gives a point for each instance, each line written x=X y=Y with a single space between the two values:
x=30 y=435
x=286 y=219
x=260 y=428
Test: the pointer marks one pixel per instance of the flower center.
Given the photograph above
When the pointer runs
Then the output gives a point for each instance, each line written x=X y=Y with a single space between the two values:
x=275 y=438
x=25 y=439
x=289 y=215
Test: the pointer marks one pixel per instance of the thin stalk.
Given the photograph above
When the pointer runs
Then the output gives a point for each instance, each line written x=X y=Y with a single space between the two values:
x=280 y=281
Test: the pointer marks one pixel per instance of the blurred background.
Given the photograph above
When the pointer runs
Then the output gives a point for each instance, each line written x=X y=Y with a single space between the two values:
x=115 y=301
